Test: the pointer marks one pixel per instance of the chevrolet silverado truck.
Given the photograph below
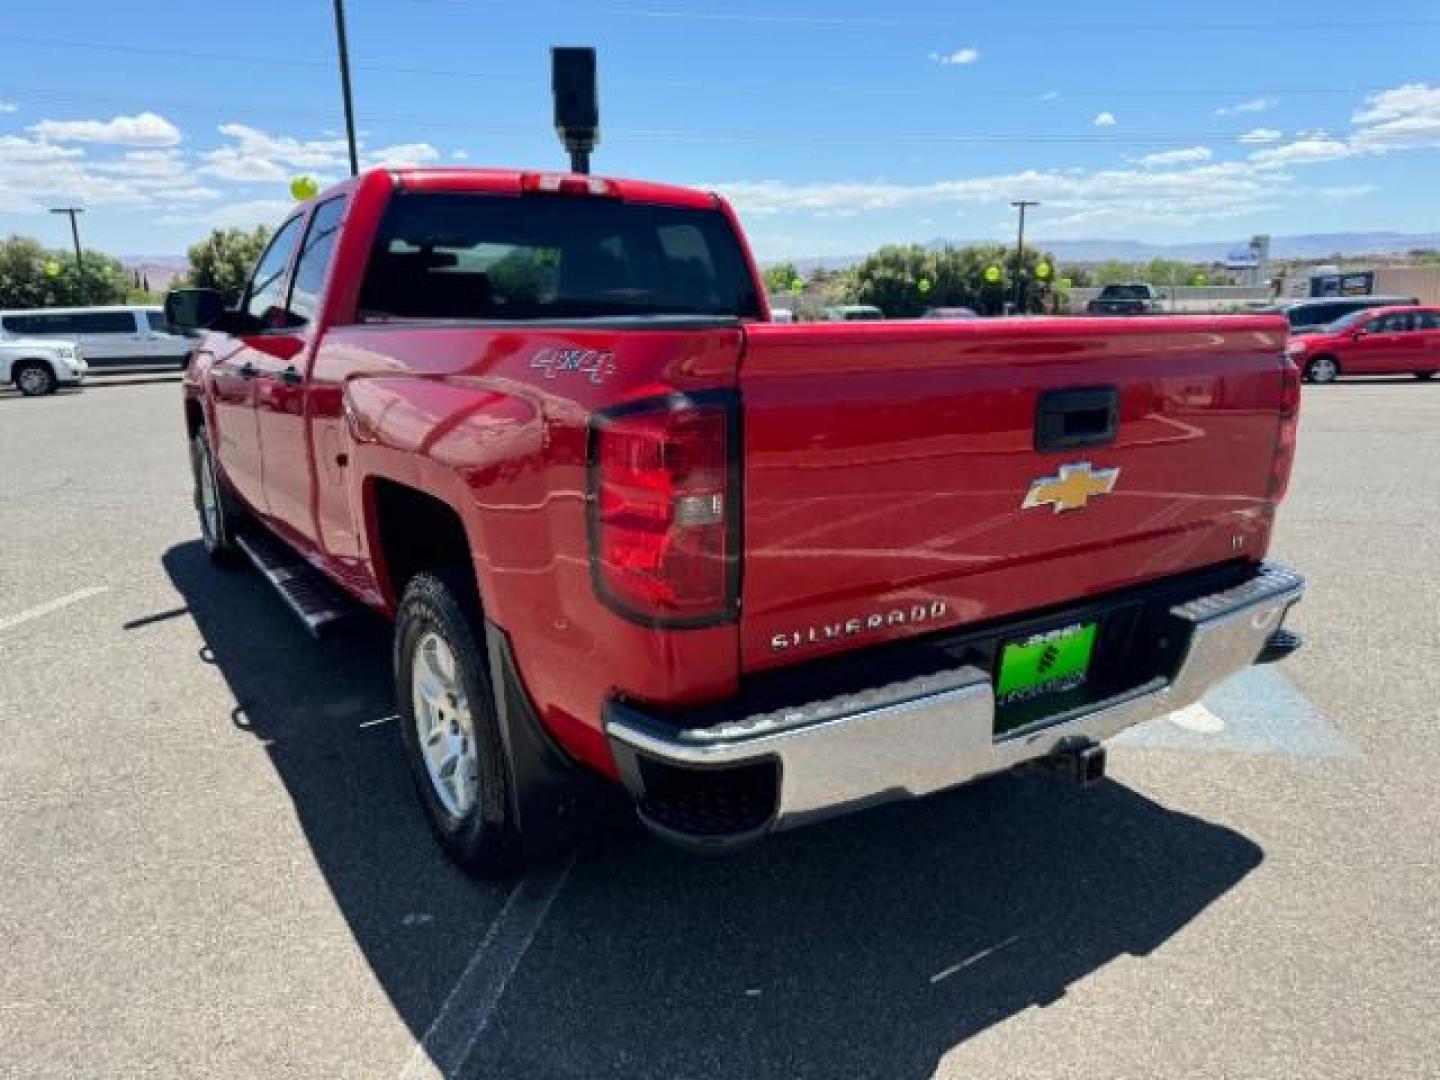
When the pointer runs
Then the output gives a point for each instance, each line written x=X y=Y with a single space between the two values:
x=1126 y=300
x=634 y=536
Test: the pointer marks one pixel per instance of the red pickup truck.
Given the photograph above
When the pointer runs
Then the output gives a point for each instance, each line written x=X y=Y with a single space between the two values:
x=756 y=574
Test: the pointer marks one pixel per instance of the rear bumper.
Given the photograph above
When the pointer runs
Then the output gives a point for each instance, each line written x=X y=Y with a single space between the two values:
x=750 y=774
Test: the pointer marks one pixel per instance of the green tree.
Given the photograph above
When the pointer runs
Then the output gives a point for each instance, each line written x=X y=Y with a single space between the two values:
x=524 y=274
x=780 y=277
x=1116 y=272
x=35 y=276
x=904 y=281
x=223 y=260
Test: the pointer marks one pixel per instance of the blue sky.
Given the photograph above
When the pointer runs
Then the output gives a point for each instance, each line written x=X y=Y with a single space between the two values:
x=834 y=125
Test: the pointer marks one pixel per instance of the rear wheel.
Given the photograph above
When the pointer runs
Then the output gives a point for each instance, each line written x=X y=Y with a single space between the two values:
x=34 y=378
x=449 y=724
x=218 y=518
x=1322 y=369
x=1424 y=376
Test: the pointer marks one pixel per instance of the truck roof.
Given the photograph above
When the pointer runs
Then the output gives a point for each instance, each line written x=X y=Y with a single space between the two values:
x=512 y=182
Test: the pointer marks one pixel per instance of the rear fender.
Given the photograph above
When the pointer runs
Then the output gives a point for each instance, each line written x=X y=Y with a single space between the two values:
x=454 y=439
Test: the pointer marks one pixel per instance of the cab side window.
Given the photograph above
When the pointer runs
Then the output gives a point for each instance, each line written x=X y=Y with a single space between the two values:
x=314 y=261
x=1394 y=323
x=264 y=296
x=1427 y=320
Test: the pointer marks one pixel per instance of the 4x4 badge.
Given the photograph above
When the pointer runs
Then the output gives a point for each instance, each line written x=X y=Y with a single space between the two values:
x=1071 y=488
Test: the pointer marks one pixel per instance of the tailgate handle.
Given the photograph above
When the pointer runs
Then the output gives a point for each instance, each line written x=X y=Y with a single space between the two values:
x=1086 y=416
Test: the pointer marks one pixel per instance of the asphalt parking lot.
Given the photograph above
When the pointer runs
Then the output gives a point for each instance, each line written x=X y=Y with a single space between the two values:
x=213 y=863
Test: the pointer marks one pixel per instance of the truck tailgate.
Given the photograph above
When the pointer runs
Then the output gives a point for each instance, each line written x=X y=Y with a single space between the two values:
x=887 y=468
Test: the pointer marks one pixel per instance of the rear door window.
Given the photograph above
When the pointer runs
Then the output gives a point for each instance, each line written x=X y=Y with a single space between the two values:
x=265 y=294
x=104 y=322
x=473 y=256
x=315 y=261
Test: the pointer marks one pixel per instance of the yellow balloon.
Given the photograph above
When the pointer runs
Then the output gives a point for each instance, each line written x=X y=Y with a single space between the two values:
x=1042 y=270
x=304 y=187
x=992 y=274
x=52 y=269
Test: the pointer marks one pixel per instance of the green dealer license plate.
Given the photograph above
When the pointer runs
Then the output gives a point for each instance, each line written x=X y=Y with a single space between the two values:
x=1045 y=664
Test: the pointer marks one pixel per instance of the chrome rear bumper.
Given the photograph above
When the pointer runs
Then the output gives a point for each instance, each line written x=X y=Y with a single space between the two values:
x=926 y=734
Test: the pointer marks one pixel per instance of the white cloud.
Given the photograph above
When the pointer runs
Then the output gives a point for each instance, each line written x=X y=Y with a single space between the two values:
x=143 y=129
x=1304 y=151
x=1191 y=155
x=395 y=157
x=1199 y=193
x=958 y=57
x=256 y=156
x=238 y=215
x=1403 y=118
x=1050 y=95
x=231 y=163
x=1254 y=105
x=34 y=174
x=1104 y=119
x=459 y=155
x=7 y=107
x=1262 y=135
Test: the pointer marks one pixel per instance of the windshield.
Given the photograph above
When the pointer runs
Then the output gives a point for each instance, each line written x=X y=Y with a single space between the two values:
x=1346 y=321
x=470 y=256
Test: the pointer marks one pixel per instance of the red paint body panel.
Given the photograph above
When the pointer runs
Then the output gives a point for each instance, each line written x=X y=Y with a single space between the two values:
x=882 y=464
x=886 y=463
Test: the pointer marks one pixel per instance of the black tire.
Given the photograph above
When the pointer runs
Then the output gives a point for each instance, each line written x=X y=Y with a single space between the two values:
x=1424 y=376
x=485 y=840
x=217 y=534
x=1322 y=369
x=33 y=378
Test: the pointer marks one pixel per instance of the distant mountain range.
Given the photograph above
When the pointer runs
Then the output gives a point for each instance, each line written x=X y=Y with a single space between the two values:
x=1305 y=246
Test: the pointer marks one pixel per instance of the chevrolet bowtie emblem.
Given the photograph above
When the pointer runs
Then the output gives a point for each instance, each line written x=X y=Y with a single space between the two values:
x=1071 y=488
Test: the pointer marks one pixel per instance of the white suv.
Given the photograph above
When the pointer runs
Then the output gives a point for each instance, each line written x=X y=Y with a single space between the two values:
x=37 y=367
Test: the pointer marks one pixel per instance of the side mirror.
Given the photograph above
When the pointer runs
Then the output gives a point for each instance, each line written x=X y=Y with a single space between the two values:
x=193 y=309
x=1358 y=333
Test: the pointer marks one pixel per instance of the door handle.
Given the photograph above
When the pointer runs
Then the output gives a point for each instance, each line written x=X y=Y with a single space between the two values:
x=1069 y=419
x=247 y=370
x=290 y=376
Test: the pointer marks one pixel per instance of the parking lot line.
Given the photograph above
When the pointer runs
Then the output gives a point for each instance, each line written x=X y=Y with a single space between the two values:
x=39 y=610
x=467 y=1009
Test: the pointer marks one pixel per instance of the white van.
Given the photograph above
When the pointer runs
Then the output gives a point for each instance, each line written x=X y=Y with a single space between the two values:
x=110 y=337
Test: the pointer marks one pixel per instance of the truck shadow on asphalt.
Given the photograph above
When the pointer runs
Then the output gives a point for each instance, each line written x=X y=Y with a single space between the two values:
x=870 y=946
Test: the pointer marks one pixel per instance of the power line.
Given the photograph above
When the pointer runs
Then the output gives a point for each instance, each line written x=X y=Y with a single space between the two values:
x=1209 y=92
x=1011 y=26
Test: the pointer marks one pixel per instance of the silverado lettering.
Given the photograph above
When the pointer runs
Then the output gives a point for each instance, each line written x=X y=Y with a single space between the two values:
x=546 y=425
x=814 y=635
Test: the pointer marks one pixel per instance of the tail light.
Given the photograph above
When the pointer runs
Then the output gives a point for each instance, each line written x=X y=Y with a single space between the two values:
x=1289 y=425
x=665 y=510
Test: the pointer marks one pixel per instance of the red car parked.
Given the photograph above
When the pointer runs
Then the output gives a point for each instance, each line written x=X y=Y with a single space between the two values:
x=1374 y=341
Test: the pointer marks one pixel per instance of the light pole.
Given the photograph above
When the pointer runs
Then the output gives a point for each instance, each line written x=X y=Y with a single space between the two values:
x=1021 y=205
x=72 y=212
x=344 y=50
